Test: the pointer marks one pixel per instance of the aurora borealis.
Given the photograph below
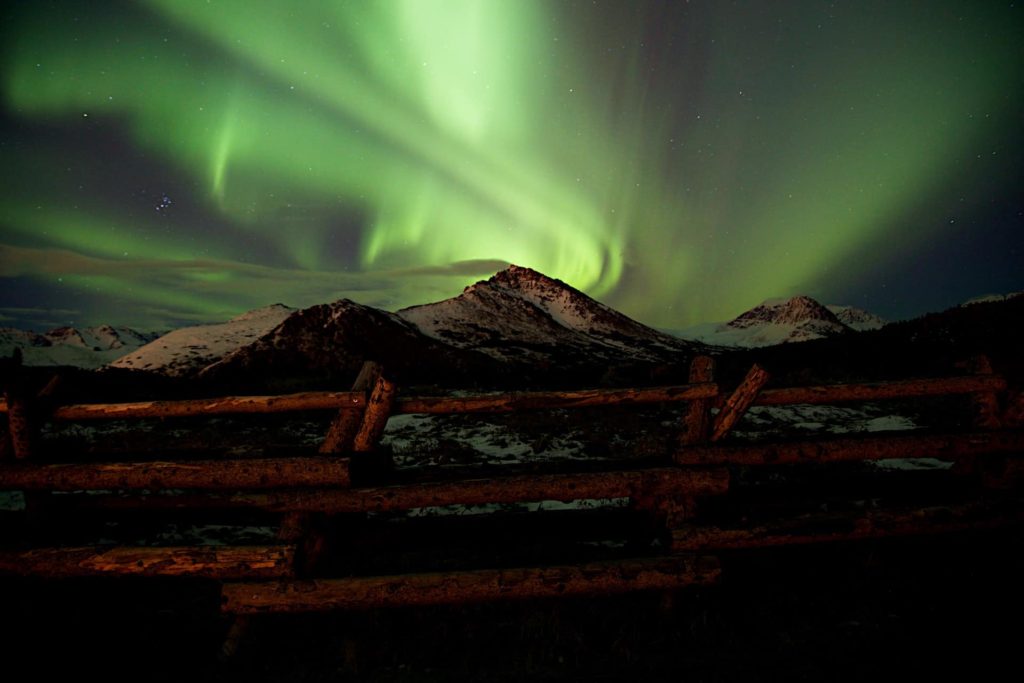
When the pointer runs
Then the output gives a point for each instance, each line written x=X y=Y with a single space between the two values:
x=171 y=161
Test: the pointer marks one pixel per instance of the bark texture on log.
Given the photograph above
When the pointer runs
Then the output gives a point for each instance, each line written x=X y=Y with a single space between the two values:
x=738 y=402
x=226 y=405
x=697 y=422
x=345 y=425
x=215 y=562
x=550 y=400
x=603 y=578
x=845 y=527
x=942 y=446
x=375 y=419
x=873 y=391
x=260 y=473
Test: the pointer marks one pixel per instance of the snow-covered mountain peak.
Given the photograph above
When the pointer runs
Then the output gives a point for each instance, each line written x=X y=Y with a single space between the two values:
x=518 y=313
x=88 y=347
x=273 y=311
x=857 y=318
x=777 y=321
x=794 y=311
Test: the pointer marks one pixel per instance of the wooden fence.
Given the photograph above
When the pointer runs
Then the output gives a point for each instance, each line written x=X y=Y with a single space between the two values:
x=691 y=496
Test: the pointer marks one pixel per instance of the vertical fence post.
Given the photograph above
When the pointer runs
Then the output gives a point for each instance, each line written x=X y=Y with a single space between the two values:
x=697 y=421
x=19 y=423
x=345 y=426
x=985 y=403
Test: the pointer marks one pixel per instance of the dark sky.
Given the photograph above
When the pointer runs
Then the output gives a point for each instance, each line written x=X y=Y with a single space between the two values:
x=170 y=161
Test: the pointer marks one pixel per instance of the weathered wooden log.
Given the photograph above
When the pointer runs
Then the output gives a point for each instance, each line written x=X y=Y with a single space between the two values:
x=345 y=425
x=879 y=523
x=873 y=391
x=697 y=421
x=604 y=578
x=987 y=413
x=259 y=473
x=493 y=403
x=738 y=402
x=942 y=446
x=550 y=400
x=215 y=562
x=227 y=405
x=690 y=482
x=375 y=419
x=19 y=427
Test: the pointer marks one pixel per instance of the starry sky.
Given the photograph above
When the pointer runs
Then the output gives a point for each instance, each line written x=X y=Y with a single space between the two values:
x=167 y=162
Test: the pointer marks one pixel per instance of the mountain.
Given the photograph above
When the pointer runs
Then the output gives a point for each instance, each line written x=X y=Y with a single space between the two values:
x=522 y=316
x=328 y=343
x=856 y=318
x=90 y=347
x=779 y=321
x=517 y=327
x=190 y=349
x=990 y=298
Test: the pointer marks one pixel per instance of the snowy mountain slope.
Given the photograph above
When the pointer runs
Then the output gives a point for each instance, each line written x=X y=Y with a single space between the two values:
x=191 y=348
x=90 y=347
x=521 y=315
x=857 y=318
x=330 y=341
x=779 y=321
x=991 y=298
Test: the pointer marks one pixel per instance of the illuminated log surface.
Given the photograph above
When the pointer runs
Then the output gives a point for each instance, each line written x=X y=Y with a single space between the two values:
x=487 y=403
x=738 y=402
x=871 y=391
x=513 y=489
x=941 y=446
x=602 y=578
x=346 y=423
x=197 y=474
x=215 y=562
x=851 y=526
x=541 y=400
x=697 y=421
x=526 y=400
x=227 y=405
x=375 y=419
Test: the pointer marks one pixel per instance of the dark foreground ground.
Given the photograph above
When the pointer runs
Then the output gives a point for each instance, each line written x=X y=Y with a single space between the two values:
x=942 y=607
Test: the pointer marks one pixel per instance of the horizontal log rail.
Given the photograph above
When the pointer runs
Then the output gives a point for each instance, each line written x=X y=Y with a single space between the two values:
x=670 y=481
x=516 y=401
x=261 y=473
x=941 y=446
x=604 y=578
x=874 y=391
x=543 y=400
x=341 y=400
x=213 y=562
x=878 y=523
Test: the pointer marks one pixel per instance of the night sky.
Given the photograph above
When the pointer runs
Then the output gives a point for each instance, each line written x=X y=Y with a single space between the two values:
x=175 y=161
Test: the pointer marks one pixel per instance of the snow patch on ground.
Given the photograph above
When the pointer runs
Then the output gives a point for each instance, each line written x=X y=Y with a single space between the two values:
x=427 y=440
x=761 y=421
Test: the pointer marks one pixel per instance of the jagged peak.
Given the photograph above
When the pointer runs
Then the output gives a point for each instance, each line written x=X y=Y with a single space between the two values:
x=263 y=312
x=795 y=309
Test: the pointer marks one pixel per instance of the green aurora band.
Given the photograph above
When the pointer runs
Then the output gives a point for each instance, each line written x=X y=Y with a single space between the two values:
x=395 y=151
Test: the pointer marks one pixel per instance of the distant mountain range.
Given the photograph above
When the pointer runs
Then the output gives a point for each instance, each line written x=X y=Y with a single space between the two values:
x=517 y=326
x=781 y=321
x=90 y=347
